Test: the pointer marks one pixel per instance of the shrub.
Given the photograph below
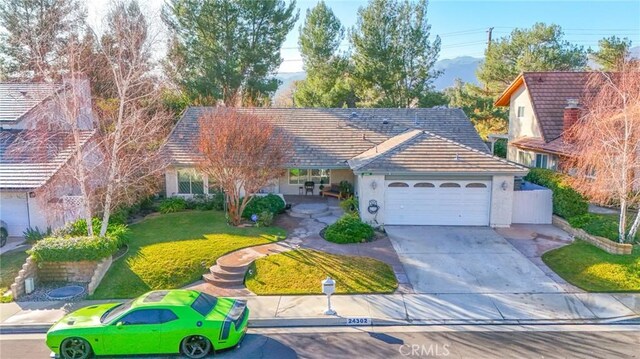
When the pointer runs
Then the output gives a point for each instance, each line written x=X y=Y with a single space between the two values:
x=349 y=205
x=33 y=235
x=567 y=203
x=117 y=232
x=265 y=219
x=349 y=229
x=66 y=249
x=346 y=188
x=203 y=202
x=269 y=203
x=598 y=225
x=173 y=204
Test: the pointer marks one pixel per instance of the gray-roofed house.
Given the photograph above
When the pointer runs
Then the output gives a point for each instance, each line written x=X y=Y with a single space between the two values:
x=24 y=171
x=408 y=166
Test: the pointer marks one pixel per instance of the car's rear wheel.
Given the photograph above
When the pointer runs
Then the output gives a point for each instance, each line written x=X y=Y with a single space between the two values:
x=75 y=348
x=195 y=347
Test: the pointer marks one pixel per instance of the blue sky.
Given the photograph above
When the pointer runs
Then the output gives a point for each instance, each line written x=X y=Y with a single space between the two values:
x=462 y=24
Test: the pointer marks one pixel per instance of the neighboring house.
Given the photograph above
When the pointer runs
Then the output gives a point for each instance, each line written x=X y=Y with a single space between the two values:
x=27 y=166
x=408 y=166
x=542 y=105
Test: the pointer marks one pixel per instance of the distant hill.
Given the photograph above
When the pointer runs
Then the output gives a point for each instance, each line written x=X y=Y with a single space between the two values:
x=288 y=79
x=463 y=67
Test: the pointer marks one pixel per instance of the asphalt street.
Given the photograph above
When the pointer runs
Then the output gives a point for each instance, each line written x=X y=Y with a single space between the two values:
x=405 y=342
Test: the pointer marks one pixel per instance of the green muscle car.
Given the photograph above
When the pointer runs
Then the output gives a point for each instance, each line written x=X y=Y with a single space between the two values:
x=159 y=322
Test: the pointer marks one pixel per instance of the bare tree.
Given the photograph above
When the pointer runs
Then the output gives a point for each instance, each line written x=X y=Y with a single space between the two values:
x=241 y=153
x=606 y=142
x=133 y=128
x=61 y=129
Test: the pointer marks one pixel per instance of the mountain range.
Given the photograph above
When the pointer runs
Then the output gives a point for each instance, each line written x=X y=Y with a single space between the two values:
x=462 y=67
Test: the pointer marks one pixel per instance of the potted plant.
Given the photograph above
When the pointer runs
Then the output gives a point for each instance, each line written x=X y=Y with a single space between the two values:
x=321 y=187
x=346 y=189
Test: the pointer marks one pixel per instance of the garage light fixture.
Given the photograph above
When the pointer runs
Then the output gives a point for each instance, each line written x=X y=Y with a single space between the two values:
x=504 y=185
x=374 y=185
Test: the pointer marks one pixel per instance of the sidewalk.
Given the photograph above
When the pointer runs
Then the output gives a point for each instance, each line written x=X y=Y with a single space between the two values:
x=393 y=309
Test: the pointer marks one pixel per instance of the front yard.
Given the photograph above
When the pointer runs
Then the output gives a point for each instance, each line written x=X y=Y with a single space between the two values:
x=173 y=250
x=301 y=271
x=595 y=270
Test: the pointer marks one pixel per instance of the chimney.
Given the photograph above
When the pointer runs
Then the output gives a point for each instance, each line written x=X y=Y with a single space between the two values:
x=571 y=115
x=81 y=89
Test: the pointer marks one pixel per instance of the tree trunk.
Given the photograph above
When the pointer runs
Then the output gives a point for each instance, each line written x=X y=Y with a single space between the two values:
x=634 y=227
x=622 y=225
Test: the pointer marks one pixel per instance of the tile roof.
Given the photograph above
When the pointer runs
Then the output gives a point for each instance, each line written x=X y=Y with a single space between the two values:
x=423 y=151
x=328 y=137
x=16 y=99
x=26 y=170
x=549 y=92
x=557 y=146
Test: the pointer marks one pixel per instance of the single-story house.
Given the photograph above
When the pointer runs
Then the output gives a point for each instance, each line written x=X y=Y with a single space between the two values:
x=424 y=166
x=25 y=170
x=542 y=105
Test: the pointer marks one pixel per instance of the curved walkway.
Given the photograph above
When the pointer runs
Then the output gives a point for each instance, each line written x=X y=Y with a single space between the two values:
x=304 y=233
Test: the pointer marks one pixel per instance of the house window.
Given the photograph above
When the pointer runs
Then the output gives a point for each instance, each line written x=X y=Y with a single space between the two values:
x=541 y=160
x=476 y=185
x=520 y=111
x=424 y=185
x=398 y=184
x=190 y=182
x=522 y=158
x=298 y=176
x=449 y=185
x=321 y=176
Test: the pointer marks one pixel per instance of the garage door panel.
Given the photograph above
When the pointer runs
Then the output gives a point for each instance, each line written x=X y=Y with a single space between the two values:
x=453 y=204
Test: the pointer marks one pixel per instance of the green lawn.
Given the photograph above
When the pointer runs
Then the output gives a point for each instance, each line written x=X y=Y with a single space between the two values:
x=173 y=250
x=10 y=265
x=595 y=270
x=301 y=271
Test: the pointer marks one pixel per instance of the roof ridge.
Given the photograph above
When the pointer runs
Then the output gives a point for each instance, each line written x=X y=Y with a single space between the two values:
x=474 y=150
x=410 y=134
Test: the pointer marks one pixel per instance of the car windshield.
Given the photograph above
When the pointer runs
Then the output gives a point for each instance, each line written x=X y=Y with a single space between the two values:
x=114 y=312
x=204 y=303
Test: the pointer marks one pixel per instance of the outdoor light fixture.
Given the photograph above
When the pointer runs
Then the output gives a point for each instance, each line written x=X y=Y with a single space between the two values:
x=504 y=185
x=374 y=185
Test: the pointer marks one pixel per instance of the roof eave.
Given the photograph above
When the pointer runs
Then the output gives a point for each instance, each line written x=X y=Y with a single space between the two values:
x=505 y=98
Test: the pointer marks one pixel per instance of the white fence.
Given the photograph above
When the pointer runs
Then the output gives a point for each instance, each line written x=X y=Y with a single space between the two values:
x=534 y=205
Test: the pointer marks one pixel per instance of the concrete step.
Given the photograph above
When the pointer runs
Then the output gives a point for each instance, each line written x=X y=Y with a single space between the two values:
x=227 y=274
x=221 y=282
x=232 y=267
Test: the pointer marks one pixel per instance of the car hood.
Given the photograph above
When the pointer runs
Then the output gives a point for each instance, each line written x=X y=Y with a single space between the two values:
x=83 y=318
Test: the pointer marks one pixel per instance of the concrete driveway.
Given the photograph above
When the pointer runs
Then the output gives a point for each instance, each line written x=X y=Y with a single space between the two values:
x=441 y=259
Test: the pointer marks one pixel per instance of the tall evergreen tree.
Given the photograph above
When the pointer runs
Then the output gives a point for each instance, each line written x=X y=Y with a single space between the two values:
x=327 y=83
x=612 y=52
x=541 y=48
x=227 y=50
x=393 y=55
x=34 y=34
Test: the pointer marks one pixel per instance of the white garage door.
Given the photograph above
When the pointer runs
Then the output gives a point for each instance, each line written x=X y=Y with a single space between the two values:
x=442 y=202
x=13 y=210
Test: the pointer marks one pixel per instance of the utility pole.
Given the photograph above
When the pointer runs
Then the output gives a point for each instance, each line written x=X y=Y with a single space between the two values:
x=489 y=32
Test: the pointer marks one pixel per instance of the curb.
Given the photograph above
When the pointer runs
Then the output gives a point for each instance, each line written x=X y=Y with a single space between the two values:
x=342 y=322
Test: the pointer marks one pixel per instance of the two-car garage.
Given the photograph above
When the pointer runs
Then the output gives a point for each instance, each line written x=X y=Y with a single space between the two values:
x=437 y=202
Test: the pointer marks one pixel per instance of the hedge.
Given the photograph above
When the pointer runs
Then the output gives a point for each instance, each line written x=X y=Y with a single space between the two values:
x=71 y=249
x=600 y=225
x=567 y=202
x=349 y=229
x=269 y=203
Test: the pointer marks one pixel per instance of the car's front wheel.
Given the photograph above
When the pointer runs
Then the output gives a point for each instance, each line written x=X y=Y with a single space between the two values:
x=195 y=347
x=75 y=348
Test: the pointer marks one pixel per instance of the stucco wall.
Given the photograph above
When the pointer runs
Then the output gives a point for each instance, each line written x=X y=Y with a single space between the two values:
x=501 y=201
x=366 y=192
x=526 y=126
